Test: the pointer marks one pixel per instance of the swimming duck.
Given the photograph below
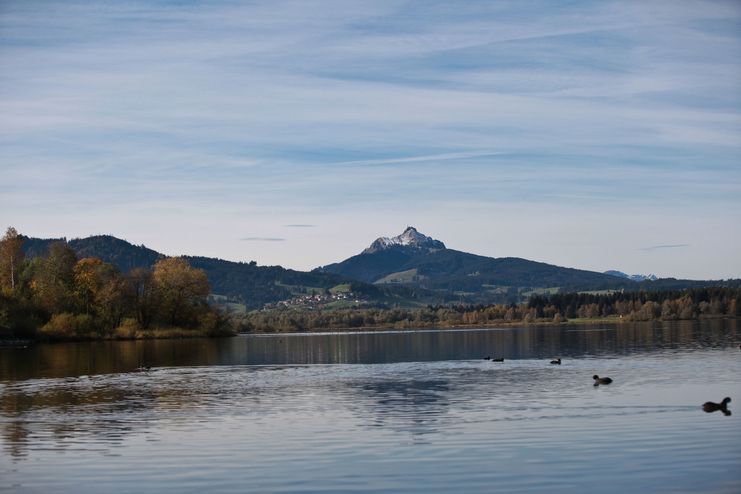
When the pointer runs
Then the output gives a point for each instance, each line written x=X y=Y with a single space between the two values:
x=557 y=361
x=714 y=407
x=488 y=357
x=500 y=359
x=601 y=380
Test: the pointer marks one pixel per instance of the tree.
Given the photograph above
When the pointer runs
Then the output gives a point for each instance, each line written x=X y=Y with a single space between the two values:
x=11 y=257
x=54 y=281
x=145 y=295
x=183 y=290
x=91 y=275
x=114 y=300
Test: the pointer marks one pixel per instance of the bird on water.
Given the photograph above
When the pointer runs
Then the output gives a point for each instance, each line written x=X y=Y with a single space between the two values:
x=711 y=407
x=500 y=359
x=556 y=361
x=601 y=380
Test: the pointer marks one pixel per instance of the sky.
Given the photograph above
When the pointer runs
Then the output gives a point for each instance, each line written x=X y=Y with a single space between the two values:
x=597 y=135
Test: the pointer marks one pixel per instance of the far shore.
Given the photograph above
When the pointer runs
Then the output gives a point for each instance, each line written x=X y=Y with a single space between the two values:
x=149 y=334
x=180 y=333
x=612 y=320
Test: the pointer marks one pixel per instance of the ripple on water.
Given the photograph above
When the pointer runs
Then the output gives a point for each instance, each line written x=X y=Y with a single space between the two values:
x=441 y=426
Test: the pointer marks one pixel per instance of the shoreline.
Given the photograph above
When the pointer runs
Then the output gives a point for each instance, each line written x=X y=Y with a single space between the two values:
x=179 y=333
x=490 y=324
x=140 y=335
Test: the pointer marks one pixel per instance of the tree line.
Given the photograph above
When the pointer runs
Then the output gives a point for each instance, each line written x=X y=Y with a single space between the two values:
x=59 y=296
x=691 y=303
x=694 y=303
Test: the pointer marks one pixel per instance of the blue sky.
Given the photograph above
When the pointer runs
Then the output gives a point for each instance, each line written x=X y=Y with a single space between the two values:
x=598 y=135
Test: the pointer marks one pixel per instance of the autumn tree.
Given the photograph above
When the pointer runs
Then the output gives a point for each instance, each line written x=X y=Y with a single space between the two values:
x=183 y=290
x=11 y=257
x=54 y=280
x=90 y=275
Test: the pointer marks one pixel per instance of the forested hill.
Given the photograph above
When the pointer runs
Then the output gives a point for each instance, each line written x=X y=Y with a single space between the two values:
x=452 y=269
x=120 y=253
x=246 y=282
x=256 y=285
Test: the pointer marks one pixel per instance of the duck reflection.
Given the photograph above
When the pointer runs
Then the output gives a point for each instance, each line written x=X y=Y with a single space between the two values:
x=14 y=436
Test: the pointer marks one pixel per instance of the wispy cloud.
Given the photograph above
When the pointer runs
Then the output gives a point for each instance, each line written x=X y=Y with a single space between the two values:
x=340 y=109
x=668 y=246
x=420 y=159
x=263 y=239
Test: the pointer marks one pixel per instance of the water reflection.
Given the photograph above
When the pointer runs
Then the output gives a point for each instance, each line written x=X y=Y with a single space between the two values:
x=62 y=412
x=78 y=359
x=412 y=407
x=415 y=422
x=97 y=413
x=90 y=395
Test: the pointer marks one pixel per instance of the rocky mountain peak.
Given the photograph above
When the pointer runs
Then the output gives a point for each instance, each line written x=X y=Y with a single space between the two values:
x=410 y=237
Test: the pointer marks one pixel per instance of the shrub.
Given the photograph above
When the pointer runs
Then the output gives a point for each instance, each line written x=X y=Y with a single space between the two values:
x=18 y=318
x=66 y=326
x=127 y=330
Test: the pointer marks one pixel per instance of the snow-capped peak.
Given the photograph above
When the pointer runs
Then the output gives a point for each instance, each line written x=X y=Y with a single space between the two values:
x=409 y=238
x=632 y=277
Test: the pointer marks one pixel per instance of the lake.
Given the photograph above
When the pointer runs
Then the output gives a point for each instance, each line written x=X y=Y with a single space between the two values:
x=378 y=412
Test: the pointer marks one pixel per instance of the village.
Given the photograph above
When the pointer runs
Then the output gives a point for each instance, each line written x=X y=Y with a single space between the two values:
x=317 y=301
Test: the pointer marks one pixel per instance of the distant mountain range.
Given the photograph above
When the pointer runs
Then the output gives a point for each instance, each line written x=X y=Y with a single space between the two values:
x=414 y=260
x=409 y=269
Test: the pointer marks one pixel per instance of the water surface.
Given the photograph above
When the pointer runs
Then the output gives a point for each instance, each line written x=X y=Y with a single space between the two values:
x=378 y=412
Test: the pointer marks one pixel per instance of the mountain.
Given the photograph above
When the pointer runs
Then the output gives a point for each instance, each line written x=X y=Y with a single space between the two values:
x=410 y=239
x=632 y=277
x=247 y=283
x=416 y=260
x=409 y=269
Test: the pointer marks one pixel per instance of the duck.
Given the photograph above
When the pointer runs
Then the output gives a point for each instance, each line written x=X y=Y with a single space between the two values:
x=500 y=359
x=601 y=380
x=711 y=407
x=488 y=357
x=556 y=361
